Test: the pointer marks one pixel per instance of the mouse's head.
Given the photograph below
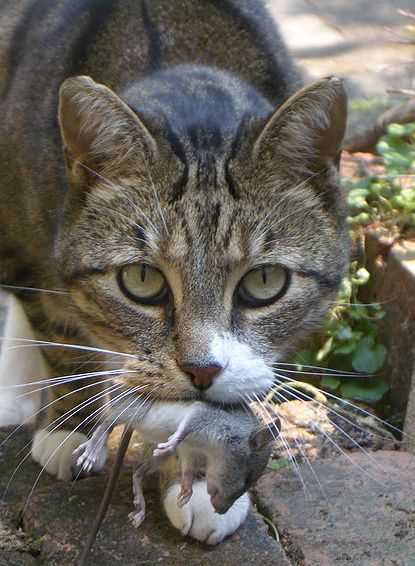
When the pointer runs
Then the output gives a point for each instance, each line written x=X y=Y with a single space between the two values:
x=242 y=464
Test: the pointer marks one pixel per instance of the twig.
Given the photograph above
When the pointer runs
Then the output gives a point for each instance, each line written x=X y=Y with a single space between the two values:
x=366 y=141
x=402 y=91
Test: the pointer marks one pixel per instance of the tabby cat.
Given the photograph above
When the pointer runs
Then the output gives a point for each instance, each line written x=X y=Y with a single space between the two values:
x=170 y=190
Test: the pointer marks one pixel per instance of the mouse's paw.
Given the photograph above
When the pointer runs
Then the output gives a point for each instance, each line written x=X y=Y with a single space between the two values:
x=198 y=519
x=166 y=448
x=137 y=517
x=88 y=455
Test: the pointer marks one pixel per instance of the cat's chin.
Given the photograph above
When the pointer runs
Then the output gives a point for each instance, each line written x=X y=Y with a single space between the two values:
x=198 y=518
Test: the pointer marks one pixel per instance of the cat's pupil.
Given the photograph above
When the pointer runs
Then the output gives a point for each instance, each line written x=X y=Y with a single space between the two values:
x=143 y=273
x=264 y=276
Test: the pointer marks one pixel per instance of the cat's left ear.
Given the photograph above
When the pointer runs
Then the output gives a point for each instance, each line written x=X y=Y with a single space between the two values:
x=304 y=135
x=99 y=131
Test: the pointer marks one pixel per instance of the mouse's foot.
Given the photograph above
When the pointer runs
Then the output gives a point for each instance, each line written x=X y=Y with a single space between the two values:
x=88 y=454
x=186 y=490
x=168 y=447
x=137 y=517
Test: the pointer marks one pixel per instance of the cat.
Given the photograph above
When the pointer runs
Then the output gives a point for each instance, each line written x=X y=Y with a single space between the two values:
x=170 y=187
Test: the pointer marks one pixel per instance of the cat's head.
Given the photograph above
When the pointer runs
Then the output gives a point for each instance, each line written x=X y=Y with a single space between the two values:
x=207 y=254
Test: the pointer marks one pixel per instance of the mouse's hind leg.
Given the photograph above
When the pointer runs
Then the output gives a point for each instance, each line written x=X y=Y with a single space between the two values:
x=186 y=483
x=138 y=515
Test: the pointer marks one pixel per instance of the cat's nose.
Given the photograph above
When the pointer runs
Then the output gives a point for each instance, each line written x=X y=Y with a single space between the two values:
x=202 y=376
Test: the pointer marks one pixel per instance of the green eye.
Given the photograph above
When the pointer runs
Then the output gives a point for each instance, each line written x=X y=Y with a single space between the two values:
x=263 y=285
x=143 y=284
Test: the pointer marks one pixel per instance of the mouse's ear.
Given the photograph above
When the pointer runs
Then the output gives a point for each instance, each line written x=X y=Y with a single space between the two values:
x=265 y=434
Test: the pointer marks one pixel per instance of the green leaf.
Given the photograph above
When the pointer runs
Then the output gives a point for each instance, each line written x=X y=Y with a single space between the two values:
x=330 y=382
x=278 y=464
x=371 y=392
x=369 y=357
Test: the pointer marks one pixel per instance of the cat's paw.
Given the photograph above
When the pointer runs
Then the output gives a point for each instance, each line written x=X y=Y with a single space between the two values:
x=198 y=518
x=54 y=452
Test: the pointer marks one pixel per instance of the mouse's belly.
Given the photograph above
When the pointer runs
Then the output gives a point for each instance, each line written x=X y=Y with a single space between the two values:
x=161 y=420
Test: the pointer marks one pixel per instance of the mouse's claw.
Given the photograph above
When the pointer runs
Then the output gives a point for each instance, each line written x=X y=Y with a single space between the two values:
x=137 y=517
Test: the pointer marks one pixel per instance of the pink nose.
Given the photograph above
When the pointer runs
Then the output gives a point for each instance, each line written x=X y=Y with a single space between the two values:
x=202 y=376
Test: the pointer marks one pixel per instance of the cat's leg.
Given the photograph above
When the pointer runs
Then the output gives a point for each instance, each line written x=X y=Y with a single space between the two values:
x=17 y=403
x=198 y=518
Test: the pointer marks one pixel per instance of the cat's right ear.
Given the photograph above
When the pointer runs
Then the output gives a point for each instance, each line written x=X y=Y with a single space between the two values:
x=100 y=133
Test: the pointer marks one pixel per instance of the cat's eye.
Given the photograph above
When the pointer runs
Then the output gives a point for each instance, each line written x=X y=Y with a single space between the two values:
x=263 y=285
x=143 y=284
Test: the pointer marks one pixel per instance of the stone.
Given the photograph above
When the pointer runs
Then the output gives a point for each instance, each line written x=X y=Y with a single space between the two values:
x=61 y=514
x=359 y=520
x=392 y=284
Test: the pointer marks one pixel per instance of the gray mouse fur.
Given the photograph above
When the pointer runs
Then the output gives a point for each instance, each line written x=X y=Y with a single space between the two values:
x=229 y=442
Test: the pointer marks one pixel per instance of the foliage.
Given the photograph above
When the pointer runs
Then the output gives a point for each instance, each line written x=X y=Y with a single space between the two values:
x=350 y=342
x=350 y=338
x=388 y=199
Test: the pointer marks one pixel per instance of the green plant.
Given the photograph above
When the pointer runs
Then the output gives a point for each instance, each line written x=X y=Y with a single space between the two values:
x=350 y=342
x=388 y=199
x=350 y=338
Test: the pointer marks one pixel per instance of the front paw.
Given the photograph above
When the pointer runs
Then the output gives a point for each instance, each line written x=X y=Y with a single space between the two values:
x=54 y=451
x=198 y=518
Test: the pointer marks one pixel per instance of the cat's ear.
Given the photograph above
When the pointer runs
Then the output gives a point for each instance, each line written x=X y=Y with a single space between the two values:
x=99 y=131
x=304 y=135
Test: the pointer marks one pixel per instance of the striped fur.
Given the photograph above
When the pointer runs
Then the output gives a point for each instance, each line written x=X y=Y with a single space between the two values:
x=189 y=149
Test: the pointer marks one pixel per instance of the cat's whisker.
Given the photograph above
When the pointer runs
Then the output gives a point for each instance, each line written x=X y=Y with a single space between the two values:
x=79 y=407
x=34 y=289
x=323 y=373
x=283 y=441
x=328 y=370
x=30 y=417
x=74 y=410
x=357 y=408
x=111 y=425
x=290 y=389
x=306 y=459
x=82 y=423
x=45 y=343
x=54 y=381
x=339 y=448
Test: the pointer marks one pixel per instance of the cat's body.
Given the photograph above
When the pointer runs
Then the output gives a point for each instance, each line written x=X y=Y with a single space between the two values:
x=195 y=228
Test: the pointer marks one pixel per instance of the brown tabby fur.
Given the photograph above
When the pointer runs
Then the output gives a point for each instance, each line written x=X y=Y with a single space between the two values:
x=192 y=158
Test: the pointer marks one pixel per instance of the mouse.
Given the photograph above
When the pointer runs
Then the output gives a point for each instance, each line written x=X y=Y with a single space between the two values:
x=229 y=442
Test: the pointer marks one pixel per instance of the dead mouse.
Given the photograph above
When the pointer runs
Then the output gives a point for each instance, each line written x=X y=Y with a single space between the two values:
x=229 y=442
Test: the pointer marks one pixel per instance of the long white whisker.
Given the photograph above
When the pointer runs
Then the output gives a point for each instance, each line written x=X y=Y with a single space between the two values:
x=44 y=343
x=330 y=409
x=28 y=419
x=343 y=452
x=102 y=394
x=361 y=448
x=58 y=448
x=35 y=289
x=283 y=441
x=360 y=409
x=62 y=379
